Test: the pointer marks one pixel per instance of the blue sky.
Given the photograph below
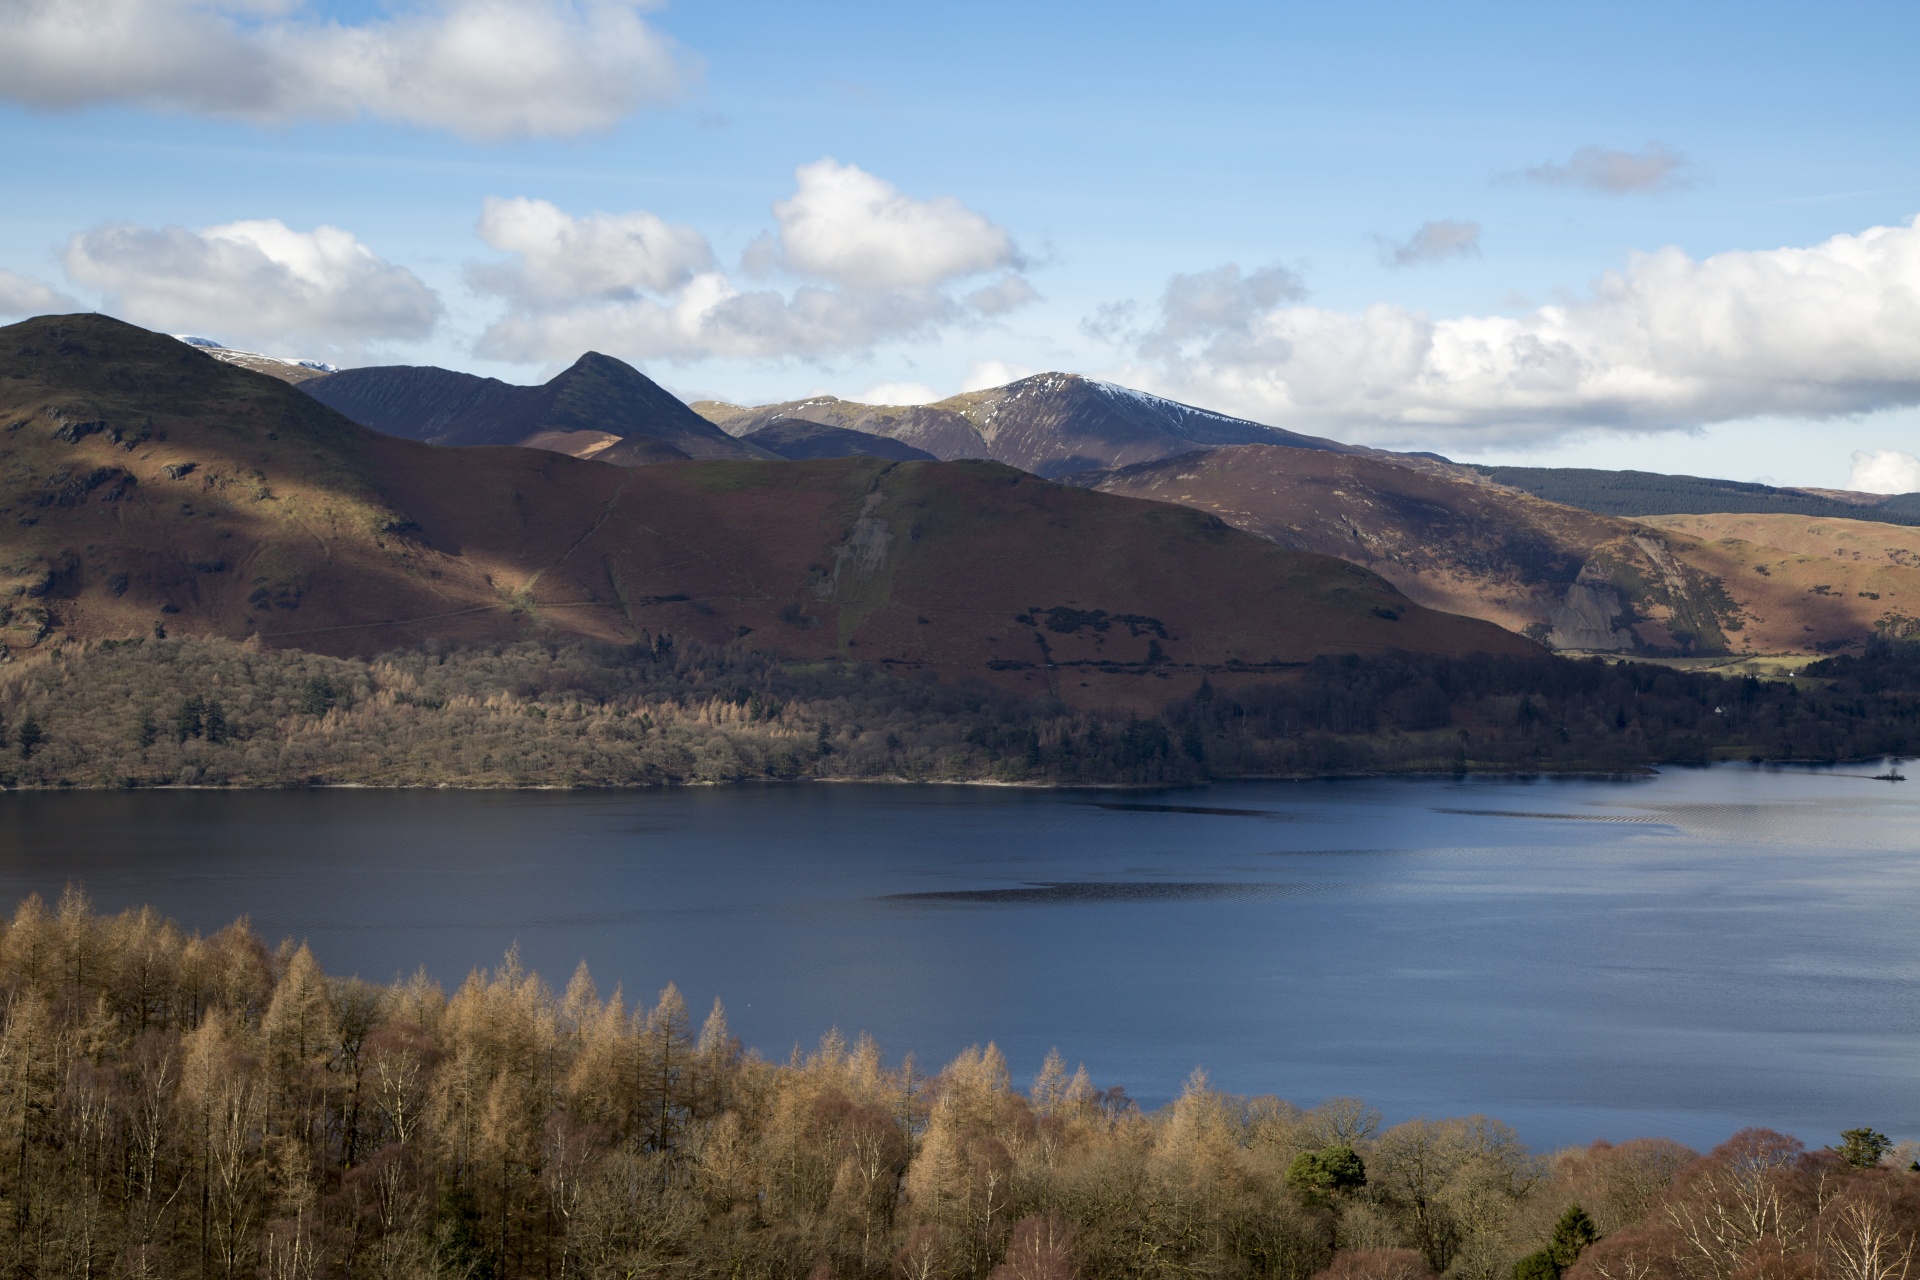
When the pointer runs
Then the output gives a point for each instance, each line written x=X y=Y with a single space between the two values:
x=1006 y=179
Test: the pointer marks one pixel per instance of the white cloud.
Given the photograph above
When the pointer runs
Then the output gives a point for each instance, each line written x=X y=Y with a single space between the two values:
x=872 y=265
x=1667 y=342
x=255 y=283
x=982 y=374
x=1433 y=242
x=847 y=226
x=485 y=69
x=559 y=258
x=25 y=296
x=1884 y=471
x=898 y=393
x=1655 y=167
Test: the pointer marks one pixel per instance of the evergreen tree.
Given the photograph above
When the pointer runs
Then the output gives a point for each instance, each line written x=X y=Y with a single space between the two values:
x=317 y=696
x=1863 y=1148
x=1571 y=1235
x=190 y=720
x=31 y=736
x=1330 y=1169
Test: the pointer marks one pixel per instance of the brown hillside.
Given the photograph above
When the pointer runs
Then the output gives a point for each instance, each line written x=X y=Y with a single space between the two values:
x=1809 y=584
x=147 y=485
x=1571 y=578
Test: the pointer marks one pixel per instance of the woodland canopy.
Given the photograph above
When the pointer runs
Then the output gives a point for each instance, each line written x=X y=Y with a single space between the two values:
x=175 y=1105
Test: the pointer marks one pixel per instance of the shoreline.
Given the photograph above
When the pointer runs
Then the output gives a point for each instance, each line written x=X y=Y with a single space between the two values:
x=1635 y=774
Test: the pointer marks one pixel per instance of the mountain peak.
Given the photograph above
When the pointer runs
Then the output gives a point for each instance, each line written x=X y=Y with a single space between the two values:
x=596 y=393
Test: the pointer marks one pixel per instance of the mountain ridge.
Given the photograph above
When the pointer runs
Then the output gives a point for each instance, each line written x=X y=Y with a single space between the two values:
x=1051 y=424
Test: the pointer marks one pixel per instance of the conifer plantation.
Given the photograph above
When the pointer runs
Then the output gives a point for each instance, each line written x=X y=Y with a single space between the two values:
x=180 y=1106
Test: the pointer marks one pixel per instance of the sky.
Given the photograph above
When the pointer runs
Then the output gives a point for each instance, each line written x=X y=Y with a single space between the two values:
x=1678 y=238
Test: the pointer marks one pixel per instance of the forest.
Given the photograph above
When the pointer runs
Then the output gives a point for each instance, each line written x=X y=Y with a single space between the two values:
x=178 y=1105
x=210 y=712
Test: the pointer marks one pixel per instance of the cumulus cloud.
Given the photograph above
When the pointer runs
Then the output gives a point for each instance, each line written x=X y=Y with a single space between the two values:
x=25 y=296
x=1433 y=242
x=1668 y=341
x=603 y=256
x=1884 y=471
x=256 y=283
x=1655 y=167
x=485 y=69
x=869 y=265
x=845 y=225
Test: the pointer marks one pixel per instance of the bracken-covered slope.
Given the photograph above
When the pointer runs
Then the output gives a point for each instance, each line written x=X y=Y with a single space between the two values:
x=146 y=486
x=1571 y=578
x=1808 y=584
x=1052 y=424
x=597 y=393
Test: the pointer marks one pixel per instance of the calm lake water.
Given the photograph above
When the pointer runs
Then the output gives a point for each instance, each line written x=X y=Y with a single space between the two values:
x=1681 y=956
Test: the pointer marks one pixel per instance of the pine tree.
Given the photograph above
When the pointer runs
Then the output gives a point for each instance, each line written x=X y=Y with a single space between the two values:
x=30 y=736
x=190 y=720
x=1863 y=1148
x=1571 y=1235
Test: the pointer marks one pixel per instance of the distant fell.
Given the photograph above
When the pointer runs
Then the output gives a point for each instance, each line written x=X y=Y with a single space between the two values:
x=797 y=438
x=1570 y=578
x=1648 y=493
x=1052 y=424
x=597 y=393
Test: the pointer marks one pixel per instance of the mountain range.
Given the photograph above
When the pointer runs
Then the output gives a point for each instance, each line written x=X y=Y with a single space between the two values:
x=151 y=488
x=1575 y=560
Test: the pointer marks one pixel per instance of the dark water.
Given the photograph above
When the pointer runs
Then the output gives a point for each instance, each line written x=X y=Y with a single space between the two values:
x=1680 y=956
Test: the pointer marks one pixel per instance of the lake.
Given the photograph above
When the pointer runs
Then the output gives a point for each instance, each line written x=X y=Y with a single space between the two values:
x=1682 y=955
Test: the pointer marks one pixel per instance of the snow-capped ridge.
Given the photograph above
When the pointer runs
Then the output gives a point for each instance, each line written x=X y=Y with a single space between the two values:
x=221 y=351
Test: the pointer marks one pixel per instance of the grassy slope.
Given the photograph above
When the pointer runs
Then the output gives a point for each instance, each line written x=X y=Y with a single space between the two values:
x=300 y=528
x=1809 y=583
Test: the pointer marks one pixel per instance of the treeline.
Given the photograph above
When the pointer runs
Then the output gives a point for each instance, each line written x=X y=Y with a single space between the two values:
x=172 y=1105
x=218 y=713
x=1411 y=711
